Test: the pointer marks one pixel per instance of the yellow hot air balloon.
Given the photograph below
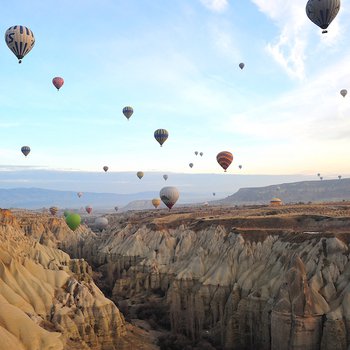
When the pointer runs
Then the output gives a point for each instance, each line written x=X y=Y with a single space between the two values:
x=20 y=40
x=140 y=174
x=156 y=202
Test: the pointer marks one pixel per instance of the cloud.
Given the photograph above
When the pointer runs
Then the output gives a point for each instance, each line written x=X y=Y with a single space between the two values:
x=288 y=50
x=215 y=5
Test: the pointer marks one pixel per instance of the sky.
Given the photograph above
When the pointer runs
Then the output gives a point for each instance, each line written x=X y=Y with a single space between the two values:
x=176 y=63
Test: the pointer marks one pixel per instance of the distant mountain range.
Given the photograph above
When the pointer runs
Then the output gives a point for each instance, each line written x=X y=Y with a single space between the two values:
x=304 y=191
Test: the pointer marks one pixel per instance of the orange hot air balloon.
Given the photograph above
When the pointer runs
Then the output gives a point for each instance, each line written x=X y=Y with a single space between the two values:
x=225 y=159
x=57 y=82
x=156 y=202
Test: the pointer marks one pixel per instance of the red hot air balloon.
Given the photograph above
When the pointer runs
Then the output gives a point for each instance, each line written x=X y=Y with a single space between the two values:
x=224 y=159
x=57 y=82
x=88 y=209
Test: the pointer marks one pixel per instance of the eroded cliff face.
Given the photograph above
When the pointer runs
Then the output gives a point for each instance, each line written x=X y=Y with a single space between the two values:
x=49 y=301
x=244 y=279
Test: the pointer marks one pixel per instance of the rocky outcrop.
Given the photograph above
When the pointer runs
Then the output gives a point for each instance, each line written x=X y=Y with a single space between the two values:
x=49 y=301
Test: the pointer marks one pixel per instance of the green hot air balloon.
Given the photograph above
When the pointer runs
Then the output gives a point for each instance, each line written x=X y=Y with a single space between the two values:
x=66 y=213
x=73 y=221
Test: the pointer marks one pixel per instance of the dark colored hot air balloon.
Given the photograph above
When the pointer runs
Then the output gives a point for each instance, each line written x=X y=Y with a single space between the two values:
x=161 y=136
x=241 y=65
x=128 y=111
x=240 y=166
x=343 y=92
x=73 y=221
x=165 y=177
x=139 y=174
x=214 y=193
x=322 y=12
x=191 y=165
x=20 y=40
x=25 y=150
x=53 y=210
x=79 y=194
x=339 y=177
x=201 y=154
x=105 y=168
x=318 y=174
x=88 y=209
x=196 y=153
x=224 y=158
x=169 y=196
x=321 y=177
x=57 y=82
x=116 y=208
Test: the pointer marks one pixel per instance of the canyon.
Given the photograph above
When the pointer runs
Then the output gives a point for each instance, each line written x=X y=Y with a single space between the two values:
x=249 y=277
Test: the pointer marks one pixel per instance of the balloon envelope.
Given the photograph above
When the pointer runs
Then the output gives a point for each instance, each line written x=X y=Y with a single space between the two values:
x=116 y=208
x=25 y=150
x=20 y=40
x=105 y=168
x=53 y=210
x=322 y=12
x=343 y=92
x=165 y=177
x=79 y=194
x=241 y=65
x=196 y=153
x=224 y=158
x=88 y=209
x=169 y=196
x=240 y=166
x=101 y=223
x=191 y=165
x=201 y=154
x=161 y=135
x=156 y=202
x=140 y=174
x=73 y=221
x=57 y=82
x=128 y=111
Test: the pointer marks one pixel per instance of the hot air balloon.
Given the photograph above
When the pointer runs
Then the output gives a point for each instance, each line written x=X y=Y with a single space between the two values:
x=169 y=196
x=339 y=177
x=241 y=65
x=318 y=174
x=201 y=154
x=116 y=208
x=66 y=213
x=240 y=166
x=343 y=92
x=196 y=153
x=73 y=221
x=161 y=136
x=191 y=165
x=101 y=223
x=139 y=174
x=322 y=12
x=88 y=209
x=128 y=111
x=79 y=194
x=224 y=159
x=57 y=82
x=165 y=177
x=321 y=177
x=25 y=150
x=105 y=168
x=53 y=210
x=156 y=202
x=214 y=193
x=20 y=40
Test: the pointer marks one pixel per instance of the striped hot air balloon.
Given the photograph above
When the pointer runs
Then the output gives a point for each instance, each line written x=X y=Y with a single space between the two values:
x=58 y=82
x=224 y=158
x=20 y=40
x=53 y=210
x=128 y=111
x=169 y=196
x=161 y=136
x=322 y=12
